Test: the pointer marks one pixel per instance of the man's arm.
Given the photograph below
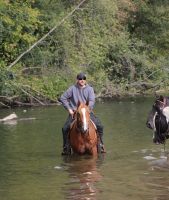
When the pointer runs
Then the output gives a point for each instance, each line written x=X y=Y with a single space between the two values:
x=65 y=98
x=91 y=98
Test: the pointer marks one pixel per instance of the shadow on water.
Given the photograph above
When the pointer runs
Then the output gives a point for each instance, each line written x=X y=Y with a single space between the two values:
x=83 y=174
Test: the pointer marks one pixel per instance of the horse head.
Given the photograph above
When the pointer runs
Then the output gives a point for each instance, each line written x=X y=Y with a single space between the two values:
x=82 y=116
x=158 y=119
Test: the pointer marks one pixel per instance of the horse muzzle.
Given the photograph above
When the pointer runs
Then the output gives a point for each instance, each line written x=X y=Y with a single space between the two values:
x=83 y=130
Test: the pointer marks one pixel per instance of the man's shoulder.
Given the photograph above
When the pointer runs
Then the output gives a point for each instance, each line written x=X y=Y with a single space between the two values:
x=72 y=87
x=89 y=87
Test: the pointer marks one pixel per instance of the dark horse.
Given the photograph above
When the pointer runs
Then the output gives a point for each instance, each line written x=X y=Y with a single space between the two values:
x=83 y=134
x=158 y=120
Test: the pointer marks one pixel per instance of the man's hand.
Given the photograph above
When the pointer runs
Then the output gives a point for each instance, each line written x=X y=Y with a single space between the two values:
x=71 y=112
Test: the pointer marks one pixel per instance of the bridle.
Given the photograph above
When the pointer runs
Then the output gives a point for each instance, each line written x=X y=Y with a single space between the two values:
x=79 y=122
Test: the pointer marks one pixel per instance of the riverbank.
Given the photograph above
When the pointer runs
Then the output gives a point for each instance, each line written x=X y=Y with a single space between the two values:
x=114 y=95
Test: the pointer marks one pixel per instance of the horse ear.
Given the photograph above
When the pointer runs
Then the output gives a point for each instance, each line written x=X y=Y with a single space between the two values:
x=87 y=102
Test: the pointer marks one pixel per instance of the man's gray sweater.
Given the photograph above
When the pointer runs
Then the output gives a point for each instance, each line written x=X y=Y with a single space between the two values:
x=76 y=94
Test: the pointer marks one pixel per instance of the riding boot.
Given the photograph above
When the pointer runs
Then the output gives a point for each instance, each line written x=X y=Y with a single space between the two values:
x=66 y=144
x=65 y=132
x=101 y=145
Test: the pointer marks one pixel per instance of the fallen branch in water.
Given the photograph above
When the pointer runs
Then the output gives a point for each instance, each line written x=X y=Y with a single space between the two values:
x=4 y=105
x=23 y=104
x=39 y=94
x=36 y=91
x=32 y=97
x=19 y=103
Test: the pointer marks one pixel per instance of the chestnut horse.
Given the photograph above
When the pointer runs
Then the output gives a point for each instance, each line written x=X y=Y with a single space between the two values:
x=83 y=134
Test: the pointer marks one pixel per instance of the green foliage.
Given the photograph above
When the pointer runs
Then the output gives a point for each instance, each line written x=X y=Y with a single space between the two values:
x=150 y=23
x=115 y=42
x=19 y=26
x=53 y=87
x=6 y=82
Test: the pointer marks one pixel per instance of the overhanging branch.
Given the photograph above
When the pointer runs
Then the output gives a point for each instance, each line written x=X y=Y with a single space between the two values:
x=46 y=35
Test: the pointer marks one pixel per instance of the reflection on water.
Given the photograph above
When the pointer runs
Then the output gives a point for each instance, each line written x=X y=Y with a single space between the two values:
x=156 y=175
x=31 y=165
x=83 y=176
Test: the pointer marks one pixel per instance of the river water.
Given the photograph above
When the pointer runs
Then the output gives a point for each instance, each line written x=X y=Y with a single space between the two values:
x=32 y=168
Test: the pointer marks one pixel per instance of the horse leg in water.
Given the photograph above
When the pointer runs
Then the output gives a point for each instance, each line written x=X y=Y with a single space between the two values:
x=94 y=151
x=84 y=143
x=77 y=142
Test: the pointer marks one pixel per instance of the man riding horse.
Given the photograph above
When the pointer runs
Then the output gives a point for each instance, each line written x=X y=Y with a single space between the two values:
x=79 y=92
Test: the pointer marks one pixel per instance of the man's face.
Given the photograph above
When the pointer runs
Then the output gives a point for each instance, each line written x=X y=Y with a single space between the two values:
x=81 y=81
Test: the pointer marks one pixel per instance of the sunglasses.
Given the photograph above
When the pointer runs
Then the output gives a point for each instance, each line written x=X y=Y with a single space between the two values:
x=84 y=78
